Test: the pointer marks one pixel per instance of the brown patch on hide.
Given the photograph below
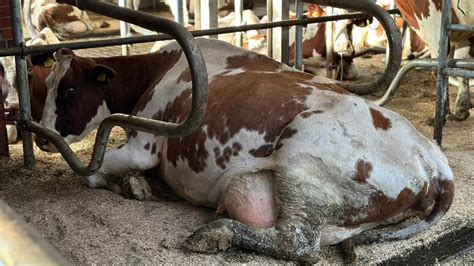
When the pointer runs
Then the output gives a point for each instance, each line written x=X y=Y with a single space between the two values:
x=147 y=146
x=305 y=115
x=363 y=169
x=227 y=153
x=436 y=196
x=160 y=64
x=38 y=90
x=153 y=148
x=55 y=16
x=286 y=134
x=379 y=120
x=411 y=10
x=263 y=151
x=252 y=62
x=261 y=102
x=185 y=76
x=189 y=148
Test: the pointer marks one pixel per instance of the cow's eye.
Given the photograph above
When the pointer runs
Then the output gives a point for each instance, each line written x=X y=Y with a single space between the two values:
x=69 y=92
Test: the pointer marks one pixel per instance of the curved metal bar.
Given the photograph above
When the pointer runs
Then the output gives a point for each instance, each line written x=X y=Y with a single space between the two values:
x=422 y=63
x=199 y=96
x=393 y=36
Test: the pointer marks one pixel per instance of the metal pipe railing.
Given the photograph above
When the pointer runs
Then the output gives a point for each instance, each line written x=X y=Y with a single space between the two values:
x=441 y=78
x=393 y=36
x=299 y=37
x=27 y=50
x=22 y=84
x=199 y=97
x=422 y=63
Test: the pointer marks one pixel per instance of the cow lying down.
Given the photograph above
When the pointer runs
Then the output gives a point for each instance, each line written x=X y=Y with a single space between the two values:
x=294 y=160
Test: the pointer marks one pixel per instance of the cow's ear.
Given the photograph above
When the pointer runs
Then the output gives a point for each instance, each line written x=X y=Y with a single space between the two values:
x=46 y=59
x=102 y=74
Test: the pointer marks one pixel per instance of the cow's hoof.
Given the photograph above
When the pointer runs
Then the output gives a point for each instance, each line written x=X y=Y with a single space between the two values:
x=347 y=249
x=461 y=116
x=136 y=187
x=215 y=236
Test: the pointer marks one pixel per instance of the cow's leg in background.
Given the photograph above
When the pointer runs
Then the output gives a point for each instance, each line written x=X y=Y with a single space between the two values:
x=463 y=99
x=140 y=152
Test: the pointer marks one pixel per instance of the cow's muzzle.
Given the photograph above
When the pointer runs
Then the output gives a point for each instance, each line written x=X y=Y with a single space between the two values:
x=12 y=114
x=45 y=145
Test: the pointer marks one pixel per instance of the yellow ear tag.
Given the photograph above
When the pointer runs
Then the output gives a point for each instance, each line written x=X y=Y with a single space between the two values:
x=101 y=77
x=49 y=62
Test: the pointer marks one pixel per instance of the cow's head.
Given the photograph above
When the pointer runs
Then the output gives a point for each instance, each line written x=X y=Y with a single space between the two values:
x=76 y=100
x=9 y=91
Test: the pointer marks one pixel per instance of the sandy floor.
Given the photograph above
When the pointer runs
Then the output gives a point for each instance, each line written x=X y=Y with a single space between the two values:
x=94 y=226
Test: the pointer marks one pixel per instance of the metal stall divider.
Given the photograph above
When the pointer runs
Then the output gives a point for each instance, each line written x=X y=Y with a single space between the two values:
x=444 y=71
x=139 y=18
x=445 y=67
x=199 y=97
x=22 y=83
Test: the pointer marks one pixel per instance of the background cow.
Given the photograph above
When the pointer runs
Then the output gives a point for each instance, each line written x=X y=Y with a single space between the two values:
x=64 y=20
x=8 y=77
x=296 y=161
x=424 y=16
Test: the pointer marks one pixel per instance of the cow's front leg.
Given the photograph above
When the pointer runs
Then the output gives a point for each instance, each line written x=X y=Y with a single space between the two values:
x=121 y=160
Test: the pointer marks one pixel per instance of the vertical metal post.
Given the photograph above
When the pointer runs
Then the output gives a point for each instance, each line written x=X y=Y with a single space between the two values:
x=281 y=37
x=180 y=18
x=270 y=31
x=22 y=84
x=442 y=92
x=394 y=16
x=209 y=15
x=329 y=44
x=299 y=37
x=125 y=30
x=238 y=6
x=4 y=152
x=197 y=15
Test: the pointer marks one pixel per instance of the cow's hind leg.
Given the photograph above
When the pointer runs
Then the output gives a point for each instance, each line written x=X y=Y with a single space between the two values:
x=250 y=199
x=123 y=159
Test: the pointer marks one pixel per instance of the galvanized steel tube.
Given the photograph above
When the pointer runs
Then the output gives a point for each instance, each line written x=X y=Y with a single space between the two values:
x=22 y=85
x=161 y=37
x=441 y=78
x=238 y=11
x=299 y=37
x=421 y=63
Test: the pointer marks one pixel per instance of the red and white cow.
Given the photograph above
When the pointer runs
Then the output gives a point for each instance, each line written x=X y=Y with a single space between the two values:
x=314 y=46
x=8 y=77
x=66 y=21
x=288 y=156
x=424 y=16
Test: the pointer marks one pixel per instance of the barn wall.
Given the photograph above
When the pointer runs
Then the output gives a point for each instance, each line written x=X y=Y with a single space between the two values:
x=6 y=35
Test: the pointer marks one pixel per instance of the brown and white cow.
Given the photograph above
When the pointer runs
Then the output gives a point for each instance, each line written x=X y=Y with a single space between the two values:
x=8 y=77
x=424 y=16
x=314 y=46
x=296 y=161
x=66 y=21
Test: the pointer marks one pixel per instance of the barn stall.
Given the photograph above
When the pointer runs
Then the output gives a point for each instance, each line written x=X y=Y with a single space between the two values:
x=96 y=226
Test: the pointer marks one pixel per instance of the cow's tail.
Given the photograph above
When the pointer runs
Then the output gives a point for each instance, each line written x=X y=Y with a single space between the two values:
x=442 y=204
x=27 y=17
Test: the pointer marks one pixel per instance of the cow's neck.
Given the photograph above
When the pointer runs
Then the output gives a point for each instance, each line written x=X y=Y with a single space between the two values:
x=134 y=75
